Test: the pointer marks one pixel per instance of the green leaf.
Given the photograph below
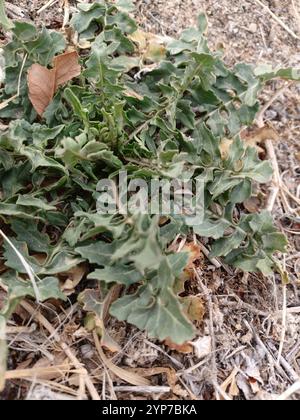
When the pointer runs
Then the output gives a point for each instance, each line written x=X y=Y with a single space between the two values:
x=88 y=13
x=178 y=262
x=25 y=31
x=5 y=23
x=27 y=231
x=61 y=263
x=91 y=303
x=102 y=223
x=143 y=247
x=266 y=73
x=15 y=211
x=39 y=160
x=125 y=5
x=99 y=253
x=74 y=101
x=275 y=242
x=222 y=247
x=19 y=288
x=123 y=21
x=156 y=309
x=202 y=23
x=210 y=229
x=241 y=192
x=120 y=274
x=265 y=266
x=29 y=201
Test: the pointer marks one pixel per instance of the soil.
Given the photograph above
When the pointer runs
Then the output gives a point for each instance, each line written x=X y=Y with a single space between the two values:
x=239 y=356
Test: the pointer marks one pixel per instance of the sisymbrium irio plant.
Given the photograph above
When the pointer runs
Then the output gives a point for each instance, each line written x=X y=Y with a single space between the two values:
x=153 y=108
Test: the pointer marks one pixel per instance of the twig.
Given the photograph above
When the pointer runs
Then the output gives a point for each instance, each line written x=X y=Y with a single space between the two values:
x=272 y=198
x=66 y=13
x=276 y=175
x=230 y=379
x=206 y=252
x=48 y=4
x=143 y=389
x=284 y=321
x=278 y=186
x=192 y=368
x=291 y=195
x=54 y=385
x=33 y=372
x=289 y=392
x=278 y=20
x=295 y=310
x=182 y=244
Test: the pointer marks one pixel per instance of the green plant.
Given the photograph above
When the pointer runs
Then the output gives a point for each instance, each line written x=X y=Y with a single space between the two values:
x=153 y=110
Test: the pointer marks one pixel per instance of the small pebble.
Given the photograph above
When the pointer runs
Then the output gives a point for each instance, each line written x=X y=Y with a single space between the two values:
x=253 y=28
x=87 y=351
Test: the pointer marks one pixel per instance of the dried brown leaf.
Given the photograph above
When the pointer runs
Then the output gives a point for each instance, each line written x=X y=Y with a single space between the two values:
x=230 y=383
x=150 y=46
x=194 y=308
x=184 y=348
x=256 y=137
x=225 y=146
x=253 y=204
x=43 y=82
x=66 y=67
x=195 y=253
x=72 y=278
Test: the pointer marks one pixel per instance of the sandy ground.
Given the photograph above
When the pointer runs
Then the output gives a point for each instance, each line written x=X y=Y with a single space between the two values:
x=240 y=355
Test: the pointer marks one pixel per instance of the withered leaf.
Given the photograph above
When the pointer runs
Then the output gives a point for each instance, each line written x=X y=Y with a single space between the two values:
x=184 y=348
x=194 y=308
x=150 y=46
x=66 y=67
x=195 y=254
x=41 y=83
x=257 y=136
x=44 y=82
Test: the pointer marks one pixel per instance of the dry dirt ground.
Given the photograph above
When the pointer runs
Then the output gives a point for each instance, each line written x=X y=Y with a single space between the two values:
x=249 y=341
